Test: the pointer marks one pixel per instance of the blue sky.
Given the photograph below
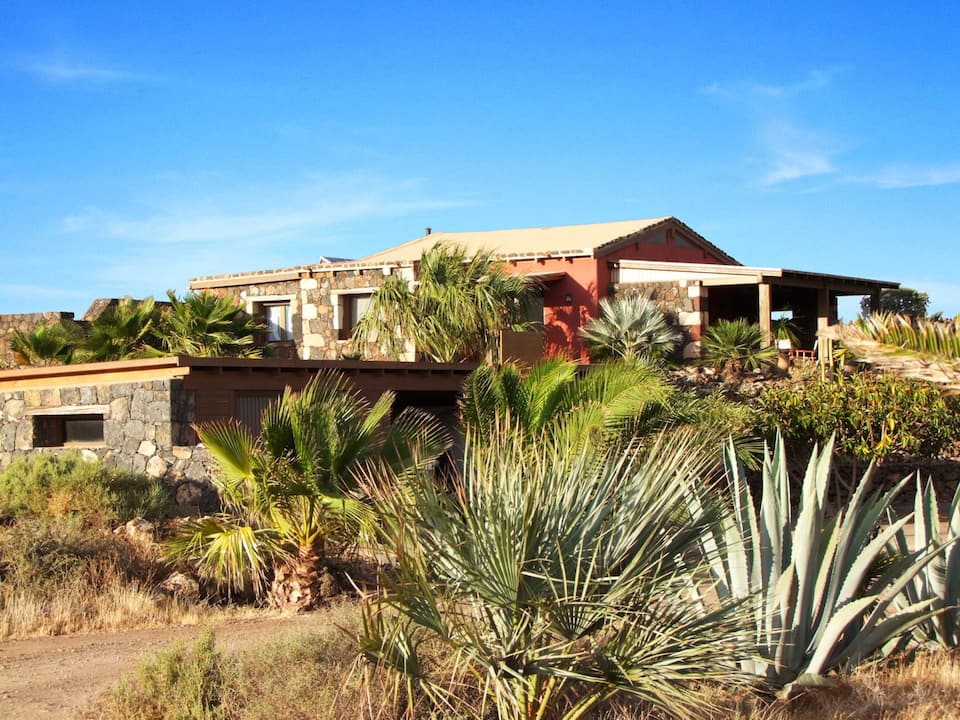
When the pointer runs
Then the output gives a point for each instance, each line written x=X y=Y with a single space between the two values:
x=142 y=144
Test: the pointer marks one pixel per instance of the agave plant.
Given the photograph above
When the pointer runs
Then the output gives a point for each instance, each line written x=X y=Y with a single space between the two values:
x=205 y=325
x=556 y=577
x=732 y=346
x=630 y=327
x=826 y=589
x=293 y=487
x=938 y=582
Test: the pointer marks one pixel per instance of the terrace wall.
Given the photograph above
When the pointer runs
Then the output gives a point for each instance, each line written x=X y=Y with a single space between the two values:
x=146 y=429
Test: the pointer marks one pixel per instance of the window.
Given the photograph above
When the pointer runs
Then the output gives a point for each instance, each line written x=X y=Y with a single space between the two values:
x=680 y=241
x=532 y=309
x=352 y=308
x=277 y=317
x=72 y=429
x=659 y=238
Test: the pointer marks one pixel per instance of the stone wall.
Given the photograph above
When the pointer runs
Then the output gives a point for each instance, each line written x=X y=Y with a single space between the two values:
x=321 y=300
x=316 y=310
x=245 y=295
x=146 y=430
x=680 y=302
x=25 y=322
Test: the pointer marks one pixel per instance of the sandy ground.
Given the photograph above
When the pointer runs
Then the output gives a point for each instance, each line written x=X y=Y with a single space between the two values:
x=50 y=677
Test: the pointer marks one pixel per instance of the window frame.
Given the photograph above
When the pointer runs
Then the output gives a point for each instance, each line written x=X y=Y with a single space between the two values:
x=51 y=426
x=257 y=307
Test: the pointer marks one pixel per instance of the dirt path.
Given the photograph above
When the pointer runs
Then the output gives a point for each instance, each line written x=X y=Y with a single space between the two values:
x=50 y=677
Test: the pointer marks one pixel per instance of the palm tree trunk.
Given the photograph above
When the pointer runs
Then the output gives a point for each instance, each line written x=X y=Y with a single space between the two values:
x=301 y=583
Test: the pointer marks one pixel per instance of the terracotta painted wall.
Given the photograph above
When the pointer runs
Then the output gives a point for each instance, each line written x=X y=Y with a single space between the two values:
x=563 y=319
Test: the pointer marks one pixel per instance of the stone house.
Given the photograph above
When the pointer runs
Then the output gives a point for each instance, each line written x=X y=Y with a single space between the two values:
x=311 y=309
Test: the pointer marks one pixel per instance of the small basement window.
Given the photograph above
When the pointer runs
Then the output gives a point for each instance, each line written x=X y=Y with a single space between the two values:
x=64 y=430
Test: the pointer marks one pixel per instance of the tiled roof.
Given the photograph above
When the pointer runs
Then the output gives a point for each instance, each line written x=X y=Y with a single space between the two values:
x=559 y=240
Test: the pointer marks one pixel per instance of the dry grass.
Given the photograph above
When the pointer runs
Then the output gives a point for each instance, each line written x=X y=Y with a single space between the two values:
x=59 y=576
x=314 y=675
x=926 y=687
x=118 y=605
x=296 y=676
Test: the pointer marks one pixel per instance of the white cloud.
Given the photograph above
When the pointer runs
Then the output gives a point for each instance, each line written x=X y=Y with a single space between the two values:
x=747 y=90
x=910 y=177
x=792 y=152
x=62 y=68
x=262 y=213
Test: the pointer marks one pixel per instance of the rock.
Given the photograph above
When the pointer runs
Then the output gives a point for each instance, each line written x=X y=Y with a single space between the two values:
x=329 y=587
x=156 y=467
x=182 y=586
x=140 y=530
x=147 y=448
x=189 y=493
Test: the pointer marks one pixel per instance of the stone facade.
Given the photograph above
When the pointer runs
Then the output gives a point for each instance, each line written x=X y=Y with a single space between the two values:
x=681 y=303
x=317 y=301
x=323 y=297
x=146 y=429
x=25 y=322
x=252 y=298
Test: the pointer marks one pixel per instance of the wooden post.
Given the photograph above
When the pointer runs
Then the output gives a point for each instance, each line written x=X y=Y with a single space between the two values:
x=766 y=325
x=823 y=308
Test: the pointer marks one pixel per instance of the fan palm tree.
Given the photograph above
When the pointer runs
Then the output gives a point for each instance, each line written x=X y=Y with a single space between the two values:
x=605 y=404
x=124 y=331
x=733 y=346
x=205 y=325
x=52 y=344
x=289 y=490
x=630 y=327
x=454 y=312
x=557 y=577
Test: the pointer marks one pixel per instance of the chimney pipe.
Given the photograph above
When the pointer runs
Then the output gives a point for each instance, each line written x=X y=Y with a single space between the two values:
x=429 y=230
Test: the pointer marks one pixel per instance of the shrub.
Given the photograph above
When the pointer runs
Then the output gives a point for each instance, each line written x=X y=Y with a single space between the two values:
x=46 y=485
x=872 y=416
x=629 y=328
x=178 y=683
x=732 y=346
x=558 y=577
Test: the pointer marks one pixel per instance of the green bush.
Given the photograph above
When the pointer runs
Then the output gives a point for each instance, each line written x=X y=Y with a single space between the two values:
x=733 y=346
x=48 y=486
x=178 y=684
x=873 y=416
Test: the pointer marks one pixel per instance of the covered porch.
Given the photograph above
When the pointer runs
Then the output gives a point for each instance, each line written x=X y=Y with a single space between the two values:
x=804 y=301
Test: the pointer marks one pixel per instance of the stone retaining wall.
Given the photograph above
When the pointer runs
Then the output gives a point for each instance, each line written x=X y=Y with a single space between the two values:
x=146 y=429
